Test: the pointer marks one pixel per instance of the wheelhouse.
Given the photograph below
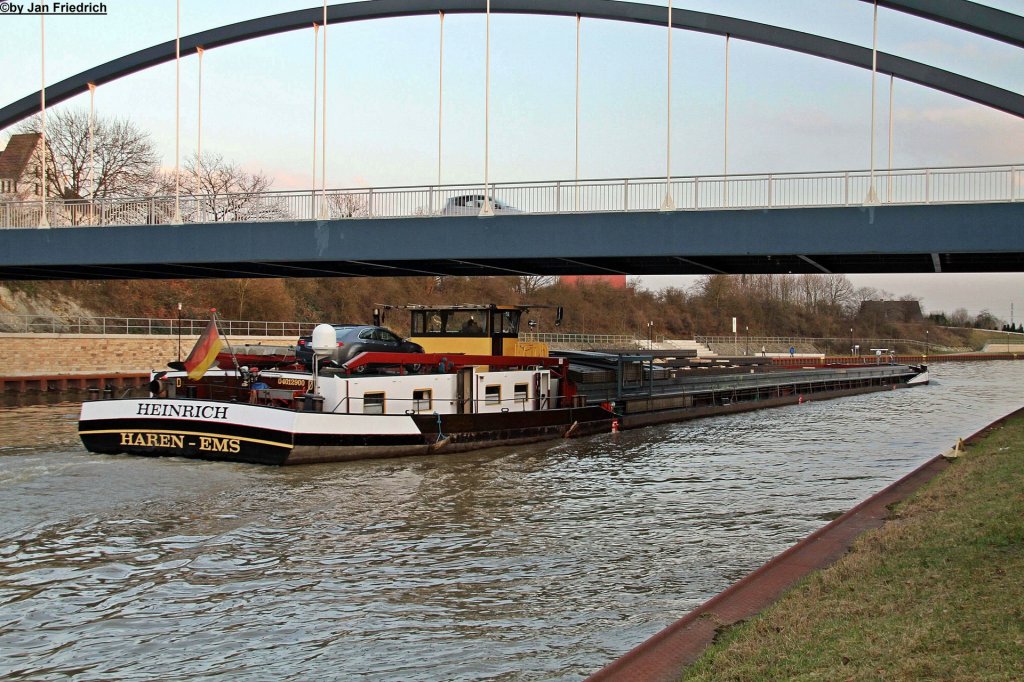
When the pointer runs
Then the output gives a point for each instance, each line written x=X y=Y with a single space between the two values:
x=485 y=329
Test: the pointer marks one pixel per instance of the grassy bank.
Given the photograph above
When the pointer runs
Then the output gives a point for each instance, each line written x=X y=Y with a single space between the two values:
x=935 y=594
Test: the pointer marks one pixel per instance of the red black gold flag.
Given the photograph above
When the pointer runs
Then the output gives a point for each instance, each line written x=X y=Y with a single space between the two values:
x=205 y=351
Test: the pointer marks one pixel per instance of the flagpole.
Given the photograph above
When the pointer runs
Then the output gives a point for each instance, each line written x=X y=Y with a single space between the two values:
x=204 y=354
x=231 y=347
x=179 y=332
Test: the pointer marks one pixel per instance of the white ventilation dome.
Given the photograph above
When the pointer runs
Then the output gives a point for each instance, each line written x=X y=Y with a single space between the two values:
x=325 y=339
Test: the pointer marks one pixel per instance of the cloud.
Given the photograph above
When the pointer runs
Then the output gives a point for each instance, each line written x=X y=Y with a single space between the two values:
x=284 y=180
x=963 y=134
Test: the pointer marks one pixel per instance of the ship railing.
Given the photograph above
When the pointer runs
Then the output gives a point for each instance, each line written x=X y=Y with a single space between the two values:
x=576 y=340
x=410 y=406
x=907 y=186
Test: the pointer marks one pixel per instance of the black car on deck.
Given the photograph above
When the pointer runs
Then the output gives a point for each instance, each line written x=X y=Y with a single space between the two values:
x=354 y=339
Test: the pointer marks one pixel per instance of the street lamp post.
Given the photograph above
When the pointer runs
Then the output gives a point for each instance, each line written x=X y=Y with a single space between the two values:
x=746 y=340
x=927 y=346
x=851 y=341
x=179 y=332
x=650 y=335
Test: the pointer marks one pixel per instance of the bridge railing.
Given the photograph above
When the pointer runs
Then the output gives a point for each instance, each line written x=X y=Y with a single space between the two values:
x=713 y=192
x=825 y=344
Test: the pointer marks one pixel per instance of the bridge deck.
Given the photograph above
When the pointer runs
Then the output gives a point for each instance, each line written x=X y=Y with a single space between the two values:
x=879 y=239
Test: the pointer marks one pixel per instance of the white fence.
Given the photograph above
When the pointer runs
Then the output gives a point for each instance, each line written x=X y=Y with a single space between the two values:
x=38 y=324
x=583 y=340
x=979 y=184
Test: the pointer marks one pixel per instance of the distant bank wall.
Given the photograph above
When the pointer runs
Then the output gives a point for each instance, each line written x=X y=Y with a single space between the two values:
x=901 y=359
x=54 y=354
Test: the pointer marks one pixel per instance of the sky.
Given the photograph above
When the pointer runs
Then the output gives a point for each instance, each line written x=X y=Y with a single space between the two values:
x=787 y=112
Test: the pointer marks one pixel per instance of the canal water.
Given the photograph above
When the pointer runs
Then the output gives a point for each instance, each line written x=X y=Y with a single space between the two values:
x=530 y=563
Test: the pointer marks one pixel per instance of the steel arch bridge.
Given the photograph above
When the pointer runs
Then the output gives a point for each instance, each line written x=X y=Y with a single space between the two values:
x=961 y=14
x=965 y=237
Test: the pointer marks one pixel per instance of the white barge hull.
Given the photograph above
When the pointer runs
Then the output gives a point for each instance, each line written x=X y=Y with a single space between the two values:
x=241 y=432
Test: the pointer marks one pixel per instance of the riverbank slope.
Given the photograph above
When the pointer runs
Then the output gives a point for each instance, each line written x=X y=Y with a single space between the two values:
x=933 y=594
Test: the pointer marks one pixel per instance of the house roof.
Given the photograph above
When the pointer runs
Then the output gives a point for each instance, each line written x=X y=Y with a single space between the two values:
x=898 y=311
x=16 y=156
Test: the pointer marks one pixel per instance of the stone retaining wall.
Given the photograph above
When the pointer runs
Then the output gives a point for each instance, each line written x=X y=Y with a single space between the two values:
x=54 y=354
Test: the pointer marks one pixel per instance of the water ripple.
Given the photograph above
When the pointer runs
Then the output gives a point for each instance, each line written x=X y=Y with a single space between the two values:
x=531 y=563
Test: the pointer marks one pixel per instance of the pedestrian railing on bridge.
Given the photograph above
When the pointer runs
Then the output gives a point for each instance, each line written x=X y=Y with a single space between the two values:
x=978 y=184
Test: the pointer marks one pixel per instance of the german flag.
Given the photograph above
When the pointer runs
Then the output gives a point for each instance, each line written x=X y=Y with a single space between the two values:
x=205 y=352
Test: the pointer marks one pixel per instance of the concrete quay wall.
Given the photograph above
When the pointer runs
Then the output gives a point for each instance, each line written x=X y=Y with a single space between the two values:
x=62 y=354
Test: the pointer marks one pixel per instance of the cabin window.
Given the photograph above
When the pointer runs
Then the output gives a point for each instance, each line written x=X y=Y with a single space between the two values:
x=422 y=400
x=507 y=322
x=373 y=403
x=520 y=394
x=419 y=323
x=492 y=394
x=429 y=322
x=467 y=322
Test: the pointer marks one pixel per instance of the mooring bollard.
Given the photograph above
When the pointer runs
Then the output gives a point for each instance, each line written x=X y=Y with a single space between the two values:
x=312 y=403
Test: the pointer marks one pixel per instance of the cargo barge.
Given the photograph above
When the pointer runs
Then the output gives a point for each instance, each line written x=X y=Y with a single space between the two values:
x=451 y=397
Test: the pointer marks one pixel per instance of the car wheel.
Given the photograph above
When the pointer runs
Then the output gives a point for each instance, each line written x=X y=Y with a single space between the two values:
x=413 y=369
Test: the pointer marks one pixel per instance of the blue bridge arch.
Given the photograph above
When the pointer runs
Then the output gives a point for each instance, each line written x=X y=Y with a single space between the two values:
x=960 y=14
x=952 y=237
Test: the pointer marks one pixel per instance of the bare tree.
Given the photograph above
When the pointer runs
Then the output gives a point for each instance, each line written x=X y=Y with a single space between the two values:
x=220 y=191
x=838 y=291
x=123 y=162
x=826 y=291
x=347 y=205
x=528 y=285
x=719 y=290
x=960 y=318
x=986 y=320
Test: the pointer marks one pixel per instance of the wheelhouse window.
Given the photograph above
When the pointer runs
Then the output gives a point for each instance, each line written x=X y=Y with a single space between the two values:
x=505 y=322
x=373 y=403
x=492 y=394
x=450 y=322
x=419 y=323
x=521 y=393
x=422 y=399
x=467 y=322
